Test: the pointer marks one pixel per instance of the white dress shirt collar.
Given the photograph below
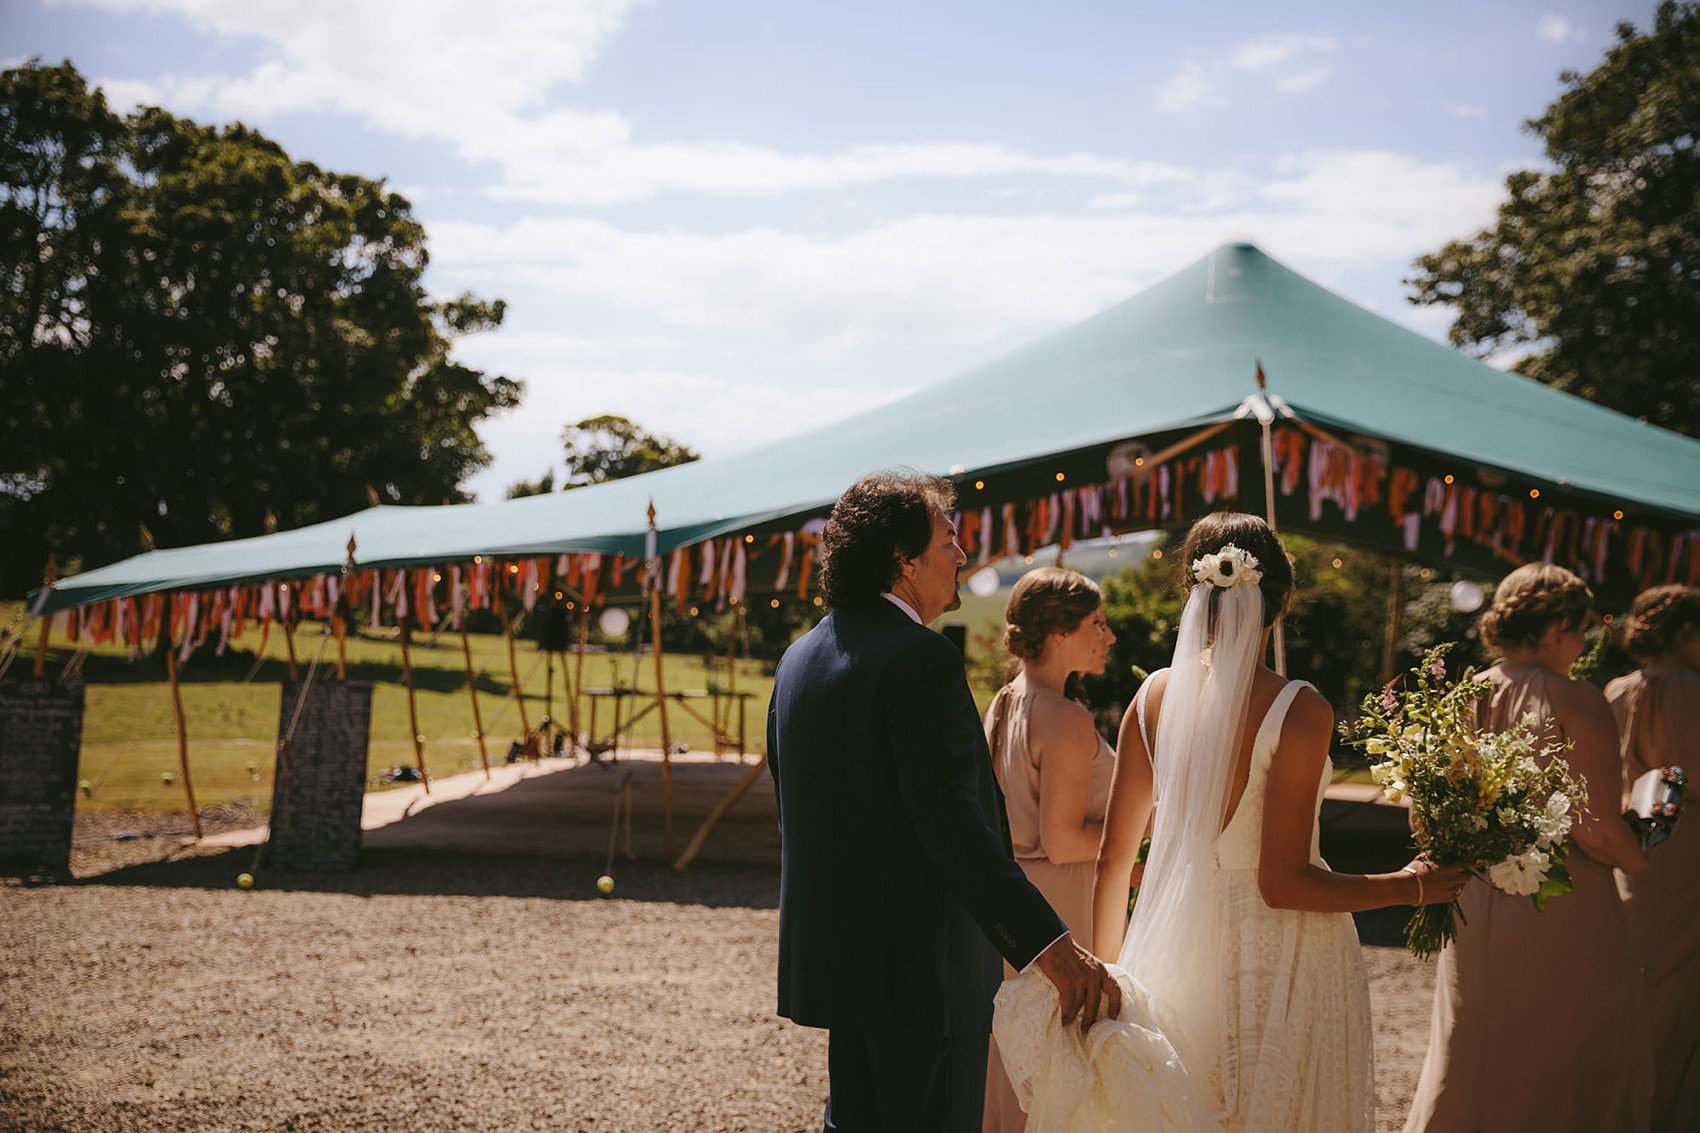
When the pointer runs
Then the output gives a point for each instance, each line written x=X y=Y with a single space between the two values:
x=904 y=606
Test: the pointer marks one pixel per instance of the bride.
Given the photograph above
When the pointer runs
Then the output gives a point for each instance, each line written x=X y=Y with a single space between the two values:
x=1241 y=955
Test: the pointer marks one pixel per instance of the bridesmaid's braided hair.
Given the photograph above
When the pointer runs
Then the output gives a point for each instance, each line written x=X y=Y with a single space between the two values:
x=1046 y=601
x=1531 y=600
x=1660 y=620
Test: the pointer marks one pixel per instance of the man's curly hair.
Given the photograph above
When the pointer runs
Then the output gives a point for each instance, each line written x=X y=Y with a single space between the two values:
x=882 y=519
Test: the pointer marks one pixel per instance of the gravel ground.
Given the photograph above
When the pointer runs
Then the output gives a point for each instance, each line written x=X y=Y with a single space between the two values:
x=428 y=992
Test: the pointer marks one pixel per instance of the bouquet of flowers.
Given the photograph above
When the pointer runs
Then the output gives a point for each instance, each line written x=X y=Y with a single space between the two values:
x=1499 y=804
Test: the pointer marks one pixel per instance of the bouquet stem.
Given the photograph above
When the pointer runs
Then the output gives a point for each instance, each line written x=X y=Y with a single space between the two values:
x=1431 y=928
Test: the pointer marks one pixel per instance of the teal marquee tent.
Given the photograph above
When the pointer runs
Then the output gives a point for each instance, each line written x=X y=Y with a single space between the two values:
x=1366 y=418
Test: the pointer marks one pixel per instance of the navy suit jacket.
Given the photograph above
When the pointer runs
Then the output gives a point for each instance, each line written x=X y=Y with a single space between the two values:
x=898 y=892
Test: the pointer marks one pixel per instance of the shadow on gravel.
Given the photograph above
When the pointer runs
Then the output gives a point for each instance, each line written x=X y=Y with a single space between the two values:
x=1356 y=838
x=386 y=873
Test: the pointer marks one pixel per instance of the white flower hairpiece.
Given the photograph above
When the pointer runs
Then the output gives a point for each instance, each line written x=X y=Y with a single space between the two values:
x=1228 y=567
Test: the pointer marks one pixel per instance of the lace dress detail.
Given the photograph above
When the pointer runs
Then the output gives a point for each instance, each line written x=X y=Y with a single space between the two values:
x=1287 y=990
x=1294 y=1040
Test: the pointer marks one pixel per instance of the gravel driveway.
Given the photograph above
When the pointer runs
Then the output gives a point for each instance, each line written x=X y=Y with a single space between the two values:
x=429 y=992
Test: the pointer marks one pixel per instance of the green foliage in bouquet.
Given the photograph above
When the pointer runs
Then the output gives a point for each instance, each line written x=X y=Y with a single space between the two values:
x=1500 y=804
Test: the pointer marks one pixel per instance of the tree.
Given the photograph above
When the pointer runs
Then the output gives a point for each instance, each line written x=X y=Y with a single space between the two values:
x=541 y=486
x=197 y=331
x=612 y=448
x=1594 y=267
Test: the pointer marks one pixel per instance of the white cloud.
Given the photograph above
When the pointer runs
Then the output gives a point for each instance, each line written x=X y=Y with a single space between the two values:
x=934 y=277
x=1553 y=28
x=480 y=83
x=1190 y=88
x=1297 y=82
x=577 y=159
x=405 y=67
x=1287 y=63
x=1464 y=109
x=705 y=411
x=1265 y=54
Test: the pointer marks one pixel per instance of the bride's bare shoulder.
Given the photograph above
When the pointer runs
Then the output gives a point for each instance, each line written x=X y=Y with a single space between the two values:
x=1310 y=716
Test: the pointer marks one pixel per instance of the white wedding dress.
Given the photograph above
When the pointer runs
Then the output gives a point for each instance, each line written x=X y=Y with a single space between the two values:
x=1264 y=1029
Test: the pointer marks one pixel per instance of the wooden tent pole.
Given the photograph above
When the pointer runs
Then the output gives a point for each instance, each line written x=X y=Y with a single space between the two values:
x=661 y=707
x=1268 y=447
x=339 y=616
x=513 y=659
x=1266 y=420
x=472 y=691
x=182 y=732
x=718 y=813
x=578 y=674
x=652 y=575
x=732 y=670
x=278 y=589
x=412 y=708
x=48 y=576
x=1395 y=611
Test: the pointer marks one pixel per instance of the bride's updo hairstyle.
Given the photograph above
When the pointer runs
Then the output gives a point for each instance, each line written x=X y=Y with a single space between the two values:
x=1530 y=601
x=1660 y=621
x=1250 y=534
x=1046 y=601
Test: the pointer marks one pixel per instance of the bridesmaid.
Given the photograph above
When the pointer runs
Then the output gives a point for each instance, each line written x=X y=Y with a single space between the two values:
x=1052 y=764
x=1540 y=1019
x=1658 y=715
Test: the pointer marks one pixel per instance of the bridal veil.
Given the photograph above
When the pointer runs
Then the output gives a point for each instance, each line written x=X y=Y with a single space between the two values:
x=1203 y=714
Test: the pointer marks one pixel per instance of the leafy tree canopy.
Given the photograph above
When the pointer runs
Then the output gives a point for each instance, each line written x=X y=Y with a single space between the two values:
x=1593 y=267
x=612 y=448
x=541 y=486
x=198 y=332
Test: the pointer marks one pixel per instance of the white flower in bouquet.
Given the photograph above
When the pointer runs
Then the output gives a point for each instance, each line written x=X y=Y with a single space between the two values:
x=1521 y=875
x=1553 y=823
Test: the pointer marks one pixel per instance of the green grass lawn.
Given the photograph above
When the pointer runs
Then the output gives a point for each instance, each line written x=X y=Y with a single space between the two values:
x=231 y=706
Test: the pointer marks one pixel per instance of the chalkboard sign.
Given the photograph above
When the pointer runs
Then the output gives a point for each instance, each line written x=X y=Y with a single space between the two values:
x=41 y=734
x=320 y=782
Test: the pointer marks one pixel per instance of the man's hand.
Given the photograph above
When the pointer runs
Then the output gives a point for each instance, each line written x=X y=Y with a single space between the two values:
x=1085 y=989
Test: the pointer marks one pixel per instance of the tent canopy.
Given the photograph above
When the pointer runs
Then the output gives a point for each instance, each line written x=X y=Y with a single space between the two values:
x=1180 y=354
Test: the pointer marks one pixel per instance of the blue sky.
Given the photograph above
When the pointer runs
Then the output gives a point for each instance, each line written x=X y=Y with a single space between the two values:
x=735 y=220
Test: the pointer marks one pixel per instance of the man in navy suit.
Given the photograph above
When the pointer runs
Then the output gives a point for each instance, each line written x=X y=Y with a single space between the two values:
x=898 y=894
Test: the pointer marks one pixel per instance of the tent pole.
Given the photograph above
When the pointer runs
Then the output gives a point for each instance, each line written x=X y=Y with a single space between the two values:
x=182 y=733
x=578 y=674
x=1395 y=610
x=719 y=812
x=278 y=589
x=412 y=708
x=472 y=691
x=1268 y=447
x=339 y=628
x=661 y=707
x=652 y=582
x=46 y=632
x=567 y=696
x=339 y=617
x=513 y=660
